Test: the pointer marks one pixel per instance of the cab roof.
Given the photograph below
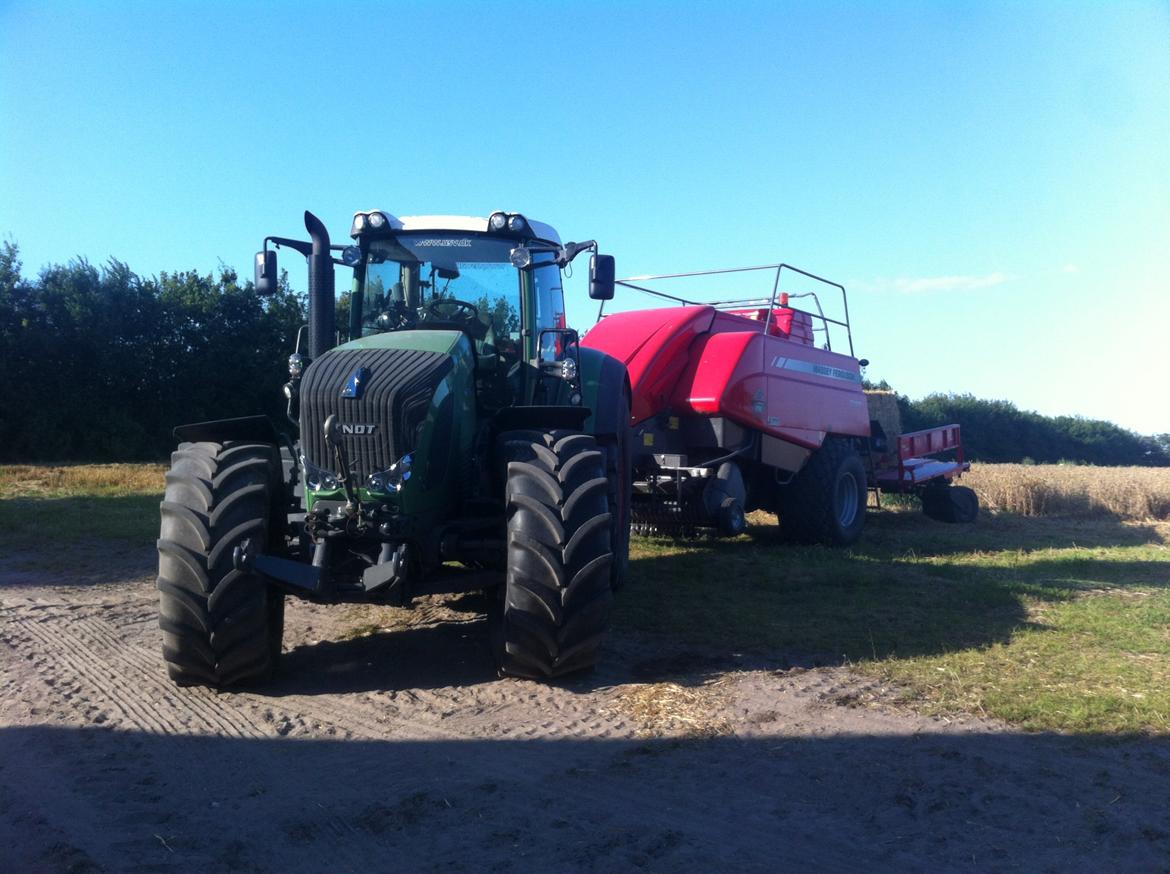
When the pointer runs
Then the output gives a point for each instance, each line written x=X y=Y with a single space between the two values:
x=540 y=230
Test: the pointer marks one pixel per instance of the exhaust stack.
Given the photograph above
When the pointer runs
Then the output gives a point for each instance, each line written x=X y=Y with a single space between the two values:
x=322 y=302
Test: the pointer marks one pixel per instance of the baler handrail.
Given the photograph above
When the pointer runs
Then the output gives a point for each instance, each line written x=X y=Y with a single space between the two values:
x=737 y=302
x=629 y=282
x=662 y=294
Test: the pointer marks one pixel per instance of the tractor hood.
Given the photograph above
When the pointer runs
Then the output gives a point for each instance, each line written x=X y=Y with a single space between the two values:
x=381 y=390
x=419 y=340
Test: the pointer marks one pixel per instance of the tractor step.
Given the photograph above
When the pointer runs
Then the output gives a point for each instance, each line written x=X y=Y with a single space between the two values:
x=296 y=574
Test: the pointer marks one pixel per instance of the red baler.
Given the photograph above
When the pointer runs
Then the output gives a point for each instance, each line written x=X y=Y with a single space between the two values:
x=743 y=404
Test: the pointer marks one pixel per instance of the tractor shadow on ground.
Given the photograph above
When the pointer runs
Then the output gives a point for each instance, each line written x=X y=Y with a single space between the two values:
x=91 y=799
x=457 y=651
x=420 y=657
x=911 y=587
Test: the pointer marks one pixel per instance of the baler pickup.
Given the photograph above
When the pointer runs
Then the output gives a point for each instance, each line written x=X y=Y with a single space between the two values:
x=913 y=468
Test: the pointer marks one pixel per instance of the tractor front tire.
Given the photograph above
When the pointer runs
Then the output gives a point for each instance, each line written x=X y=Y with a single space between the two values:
x=825 y=502
x=220 y=626
x=558 y=591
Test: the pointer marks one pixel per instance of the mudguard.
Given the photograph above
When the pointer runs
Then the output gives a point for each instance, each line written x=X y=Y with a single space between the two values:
x=603 y=379
x=254 y=429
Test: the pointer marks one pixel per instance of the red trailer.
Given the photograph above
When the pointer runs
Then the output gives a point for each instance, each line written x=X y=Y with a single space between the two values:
x=744 y=404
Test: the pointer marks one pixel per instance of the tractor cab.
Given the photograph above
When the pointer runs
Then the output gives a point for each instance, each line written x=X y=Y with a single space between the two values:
x=435 y=272
x=497 y=280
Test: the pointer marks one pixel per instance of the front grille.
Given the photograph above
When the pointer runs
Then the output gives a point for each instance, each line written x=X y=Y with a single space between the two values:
x=395 y=398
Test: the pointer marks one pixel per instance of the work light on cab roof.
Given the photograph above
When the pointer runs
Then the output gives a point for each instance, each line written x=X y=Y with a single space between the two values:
x=498 y=222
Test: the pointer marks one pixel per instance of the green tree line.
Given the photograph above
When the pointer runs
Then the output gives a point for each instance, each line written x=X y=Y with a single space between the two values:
x=100 y=363
x=998 y=431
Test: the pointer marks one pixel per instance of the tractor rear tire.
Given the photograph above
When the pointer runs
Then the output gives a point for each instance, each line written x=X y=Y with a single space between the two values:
x=952 y=504
x=618 y=466
x=221 y=626
x=558 y=592
x=825 y=502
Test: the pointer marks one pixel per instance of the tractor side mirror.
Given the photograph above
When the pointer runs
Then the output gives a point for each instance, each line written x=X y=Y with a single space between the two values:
x=266 y=273
x=601 y=277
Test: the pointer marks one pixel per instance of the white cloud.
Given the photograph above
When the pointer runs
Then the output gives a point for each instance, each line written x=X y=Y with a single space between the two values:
x=934 y=284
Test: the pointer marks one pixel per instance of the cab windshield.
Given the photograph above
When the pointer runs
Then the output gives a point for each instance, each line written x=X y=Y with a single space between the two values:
x=456 y=278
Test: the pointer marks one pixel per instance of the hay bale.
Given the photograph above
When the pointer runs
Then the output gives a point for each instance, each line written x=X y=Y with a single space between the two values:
x=883 y=406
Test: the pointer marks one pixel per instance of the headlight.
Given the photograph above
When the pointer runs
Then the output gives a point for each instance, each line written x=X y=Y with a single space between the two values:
x=392 y=479
x=351 y=256
x=568 y=370
x=317 y=479
x=497 y=222
x=517 y=224
x=296 y=364
x=520 y=257
x=377 y=220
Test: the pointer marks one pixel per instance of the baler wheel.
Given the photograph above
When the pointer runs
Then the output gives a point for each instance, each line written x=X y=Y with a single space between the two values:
x=825 y=502
x=558 y=592
x=221 y=626
x=947 y=503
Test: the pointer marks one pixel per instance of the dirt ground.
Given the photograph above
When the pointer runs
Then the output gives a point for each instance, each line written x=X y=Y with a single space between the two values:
x=399 y=750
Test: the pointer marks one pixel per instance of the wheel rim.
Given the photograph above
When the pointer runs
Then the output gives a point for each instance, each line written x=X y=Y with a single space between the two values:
x=847 y=502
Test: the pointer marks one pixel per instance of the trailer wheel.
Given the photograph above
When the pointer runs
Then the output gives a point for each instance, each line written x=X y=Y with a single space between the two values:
x=825 y=502
x=947 y=503
x=221 y=626
x=558 y=592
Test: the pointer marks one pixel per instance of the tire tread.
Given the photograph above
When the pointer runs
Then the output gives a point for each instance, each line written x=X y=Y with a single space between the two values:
x=559 y=545
x=218 y=623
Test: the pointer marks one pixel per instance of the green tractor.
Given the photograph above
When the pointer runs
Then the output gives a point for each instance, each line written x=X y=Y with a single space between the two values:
x=461 y=439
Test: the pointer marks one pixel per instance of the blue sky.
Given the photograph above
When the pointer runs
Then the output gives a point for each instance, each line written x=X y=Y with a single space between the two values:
x=991 y=181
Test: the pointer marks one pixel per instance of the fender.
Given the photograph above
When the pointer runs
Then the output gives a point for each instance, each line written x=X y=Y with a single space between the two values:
x=603 y=379
x=253 y=429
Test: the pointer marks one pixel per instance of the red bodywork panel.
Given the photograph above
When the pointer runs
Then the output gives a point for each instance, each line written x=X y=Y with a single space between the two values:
x=707 y=362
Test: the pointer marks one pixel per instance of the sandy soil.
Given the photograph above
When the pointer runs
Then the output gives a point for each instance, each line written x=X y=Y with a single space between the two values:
x=400 y=751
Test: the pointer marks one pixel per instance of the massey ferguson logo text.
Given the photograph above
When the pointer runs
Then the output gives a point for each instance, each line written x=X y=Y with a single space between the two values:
x=359 y=430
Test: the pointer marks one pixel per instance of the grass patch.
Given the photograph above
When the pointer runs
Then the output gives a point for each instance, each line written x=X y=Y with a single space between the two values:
x=1049 y=623
x=109 y=501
